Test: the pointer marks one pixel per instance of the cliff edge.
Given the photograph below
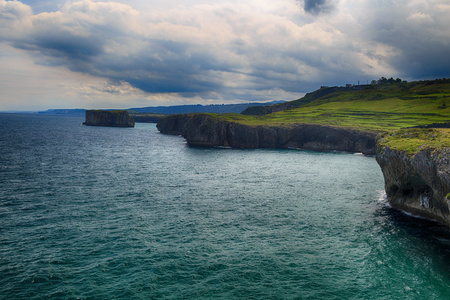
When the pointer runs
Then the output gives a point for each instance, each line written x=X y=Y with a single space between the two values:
x=416 y=169
x=116 y=118
x=209 y=131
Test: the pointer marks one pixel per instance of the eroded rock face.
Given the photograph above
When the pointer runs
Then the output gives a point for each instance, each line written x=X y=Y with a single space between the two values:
x=205 y=130
x=116 y=118
x=418 y=184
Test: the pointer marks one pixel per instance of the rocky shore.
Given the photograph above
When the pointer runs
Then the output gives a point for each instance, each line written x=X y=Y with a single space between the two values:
x=207 y=131
x=418 y=184
x=115 y=118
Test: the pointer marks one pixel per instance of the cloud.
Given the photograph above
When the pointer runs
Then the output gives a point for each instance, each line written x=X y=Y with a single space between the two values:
x=173 y=52
x=229 y=51
x=416 y=34
x=14 y=19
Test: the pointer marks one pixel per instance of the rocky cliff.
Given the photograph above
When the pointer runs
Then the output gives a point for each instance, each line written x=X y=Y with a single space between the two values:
x=116 y=118
x=205 y=130
x=418 y=183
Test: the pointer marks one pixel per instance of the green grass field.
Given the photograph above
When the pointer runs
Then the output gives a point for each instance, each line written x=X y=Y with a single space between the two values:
x=412 y=140
x=378 y=108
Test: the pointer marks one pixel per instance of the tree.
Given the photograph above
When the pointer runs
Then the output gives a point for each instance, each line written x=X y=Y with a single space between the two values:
x=384 y=80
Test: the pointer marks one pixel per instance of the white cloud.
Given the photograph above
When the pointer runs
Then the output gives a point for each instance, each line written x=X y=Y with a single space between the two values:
x=15 y=19
x=420 y=18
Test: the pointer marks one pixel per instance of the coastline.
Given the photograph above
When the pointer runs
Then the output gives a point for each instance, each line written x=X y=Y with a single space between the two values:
x=416 y=184
x=204 y=130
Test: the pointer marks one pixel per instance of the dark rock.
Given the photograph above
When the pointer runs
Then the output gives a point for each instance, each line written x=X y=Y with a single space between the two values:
x=173 y=124
x=209 y=131
x=419 y=184
x=147 y=118
x=116 y=118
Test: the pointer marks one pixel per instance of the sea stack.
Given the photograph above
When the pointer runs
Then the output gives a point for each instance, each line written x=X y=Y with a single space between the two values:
x=115 y=118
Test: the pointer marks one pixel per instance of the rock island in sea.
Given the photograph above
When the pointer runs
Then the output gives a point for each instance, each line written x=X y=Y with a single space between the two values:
x=114 y=118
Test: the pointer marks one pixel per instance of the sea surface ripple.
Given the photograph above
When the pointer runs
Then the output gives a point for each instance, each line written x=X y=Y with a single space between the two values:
x=129 y=213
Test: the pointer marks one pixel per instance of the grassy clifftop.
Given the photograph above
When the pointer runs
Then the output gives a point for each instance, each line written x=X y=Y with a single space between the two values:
x=413 y=140
x=376 y=108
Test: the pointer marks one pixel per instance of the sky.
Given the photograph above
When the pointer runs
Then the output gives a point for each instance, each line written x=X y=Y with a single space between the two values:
x=137 y=53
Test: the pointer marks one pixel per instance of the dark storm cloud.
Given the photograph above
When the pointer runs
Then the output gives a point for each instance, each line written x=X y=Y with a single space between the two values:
x=316 y=7
x=69 y=48
x=417 y=37
x=176 y=68
x=416 y=59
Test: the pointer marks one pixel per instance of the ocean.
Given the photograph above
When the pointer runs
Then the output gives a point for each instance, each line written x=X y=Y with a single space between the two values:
x=129 y=213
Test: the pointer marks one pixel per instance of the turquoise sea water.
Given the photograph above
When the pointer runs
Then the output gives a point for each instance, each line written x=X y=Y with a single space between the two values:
x=115 y=213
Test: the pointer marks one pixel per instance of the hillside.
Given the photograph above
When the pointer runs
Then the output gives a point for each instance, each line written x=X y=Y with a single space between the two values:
x=375 y=108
